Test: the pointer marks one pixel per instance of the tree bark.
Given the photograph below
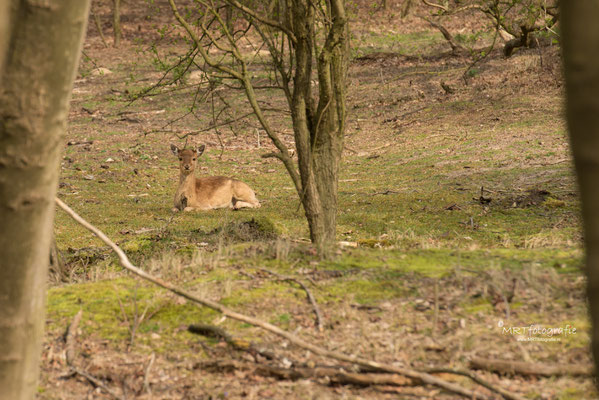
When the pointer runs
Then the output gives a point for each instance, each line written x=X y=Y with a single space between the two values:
x=39 y=58
x=581 y=61
x=319 y=129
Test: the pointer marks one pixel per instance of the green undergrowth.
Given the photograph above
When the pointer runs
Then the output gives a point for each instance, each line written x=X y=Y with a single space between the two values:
x=234 y=275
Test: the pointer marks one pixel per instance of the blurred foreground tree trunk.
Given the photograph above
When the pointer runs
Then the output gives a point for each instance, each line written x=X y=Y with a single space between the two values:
x=581 y=61
x=40 y=44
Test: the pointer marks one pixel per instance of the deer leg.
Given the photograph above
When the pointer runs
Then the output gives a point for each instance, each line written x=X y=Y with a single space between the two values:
x=243 y=204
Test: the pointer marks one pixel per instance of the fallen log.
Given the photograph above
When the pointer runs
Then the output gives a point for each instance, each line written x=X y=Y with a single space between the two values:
x=332 y=374
x=530 y=369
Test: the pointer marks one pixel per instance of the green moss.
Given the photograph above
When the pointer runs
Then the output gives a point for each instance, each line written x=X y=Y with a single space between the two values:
x=138 y=244
x=551 y=202
x=364 y=291
x=109 y=307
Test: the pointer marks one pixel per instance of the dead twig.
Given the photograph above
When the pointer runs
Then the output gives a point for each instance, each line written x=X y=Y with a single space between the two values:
x=137 y=319
x=76 y=143
x=147 y=374
x=70 y=358
x=436 y=308
x=456 y=48
x=385 y=193
x=311 y=299
x=563 y=160
x=236 y=343
x=530 y=369
x=439 y=6
x=70 y=338
x=417 y=376
x=95 y=381
x=477 y=379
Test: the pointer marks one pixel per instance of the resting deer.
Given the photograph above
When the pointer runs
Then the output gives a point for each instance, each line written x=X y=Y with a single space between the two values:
x=210 y=192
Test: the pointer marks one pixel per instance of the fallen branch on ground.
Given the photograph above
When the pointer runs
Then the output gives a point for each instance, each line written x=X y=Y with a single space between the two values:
x=530 y=369
x=386 y=192
x=333 y=374
x=237 y=344
x=96 y=382
x=477 y=379
x=76 y=143
x=147 y=374
x=70 y=338
x=70 y=357
x=363 y=362
x=456 y=48
x=311 y=299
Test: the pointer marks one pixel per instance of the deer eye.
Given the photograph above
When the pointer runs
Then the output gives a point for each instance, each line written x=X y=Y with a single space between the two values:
x=180 y=158
x=194 y=159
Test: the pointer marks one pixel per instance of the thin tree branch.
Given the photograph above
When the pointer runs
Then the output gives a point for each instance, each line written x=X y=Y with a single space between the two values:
x=147 y=374
x=95 y=381
x=259 y=18
x=496 y=389
x=439 y=6
x=70 y=357
x=455 y=47
x=209 y=60
x=311 y=299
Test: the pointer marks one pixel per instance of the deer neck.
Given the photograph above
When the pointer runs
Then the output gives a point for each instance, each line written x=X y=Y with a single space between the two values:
x=187 y=183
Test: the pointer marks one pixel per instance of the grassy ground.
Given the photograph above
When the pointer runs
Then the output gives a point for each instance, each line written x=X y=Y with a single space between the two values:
x=471 y=193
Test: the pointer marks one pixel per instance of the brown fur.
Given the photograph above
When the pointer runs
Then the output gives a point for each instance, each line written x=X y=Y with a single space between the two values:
x=210 y=192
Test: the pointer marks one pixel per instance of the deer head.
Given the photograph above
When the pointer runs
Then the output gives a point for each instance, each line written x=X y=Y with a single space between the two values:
x=188 y=158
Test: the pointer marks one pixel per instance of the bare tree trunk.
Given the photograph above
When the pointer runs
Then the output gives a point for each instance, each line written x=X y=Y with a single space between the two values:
x=57 y=267
x=98 y=23
x=405 y=8
x=581 y=41
x=319 y=129
x=116 y=22
x=39 y=56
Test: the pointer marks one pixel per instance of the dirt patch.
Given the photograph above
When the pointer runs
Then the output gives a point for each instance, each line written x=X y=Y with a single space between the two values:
x=532 y=198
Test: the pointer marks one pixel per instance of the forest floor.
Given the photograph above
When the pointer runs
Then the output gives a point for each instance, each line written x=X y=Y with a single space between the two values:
x=458 y=210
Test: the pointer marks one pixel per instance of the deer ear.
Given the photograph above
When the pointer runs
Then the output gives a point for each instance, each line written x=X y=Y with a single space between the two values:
x=175 y=149
x=200 y=150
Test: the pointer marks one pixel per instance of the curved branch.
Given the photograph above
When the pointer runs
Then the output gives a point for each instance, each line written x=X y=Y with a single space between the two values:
x=266 y=21
x=475 y=378
x=456 y=48
x=439 y=6
x=286 y=159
